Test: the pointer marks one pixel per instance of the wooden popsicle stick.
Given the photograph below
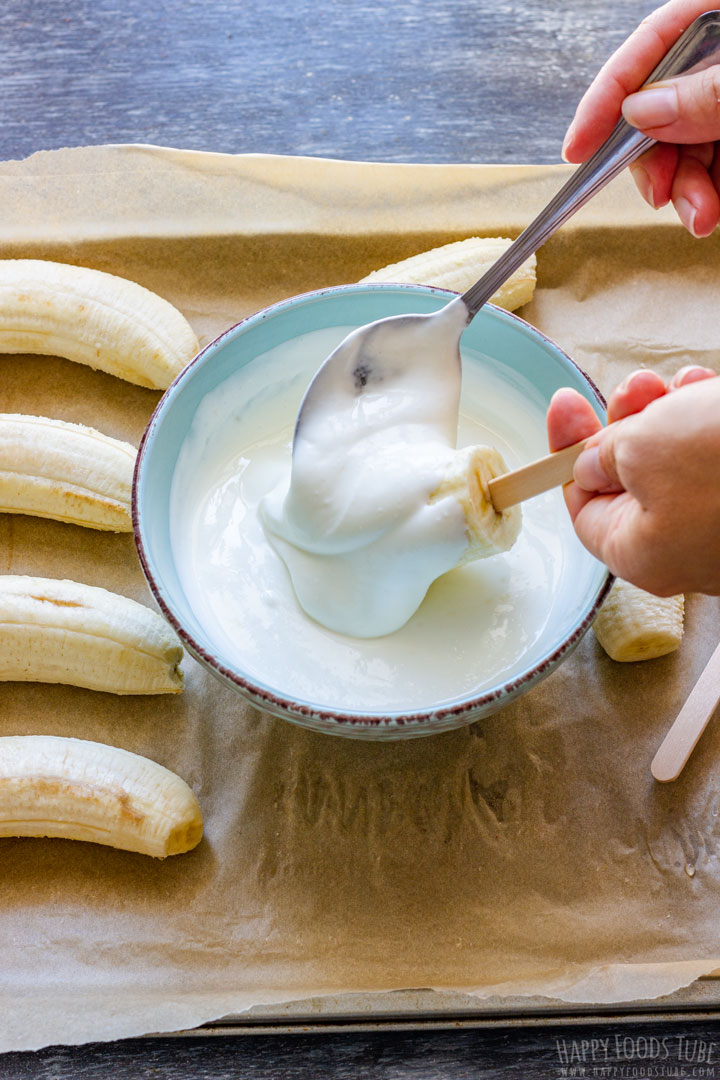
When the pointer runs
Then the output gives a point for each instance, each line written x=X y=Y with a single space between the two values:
x=520 y=484
x=691 y=721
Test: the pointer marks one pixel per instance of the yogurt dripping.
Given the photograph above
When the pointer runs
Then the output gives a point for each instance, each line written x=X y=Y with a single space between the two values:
x=375 y=506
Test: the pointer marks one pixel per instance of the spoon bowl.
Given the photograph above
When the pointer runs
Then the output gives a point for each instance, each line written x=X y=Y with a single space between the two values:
x=381 y=355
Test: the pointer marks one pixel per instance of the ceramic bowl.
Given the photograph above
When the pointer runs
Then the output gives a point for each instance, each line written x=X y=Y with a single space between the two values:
x=497 y=346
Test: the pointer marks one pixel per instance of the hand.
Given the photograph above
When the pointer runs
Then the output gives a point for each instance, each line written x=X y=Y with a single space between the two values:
x=682 y=114
x=645 y=498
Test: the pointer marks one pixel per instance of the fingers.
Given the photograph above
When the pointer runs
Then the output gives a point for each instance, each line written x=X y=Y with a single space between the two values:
x=694 y=195
x=649 y=469
x=625 y=71
x=690 y=374
x=596 y=115
x=641 y=387
x=689 y=175
x=682 y=110
x=654 y=173
x=634 y=393
x=597 y=469
x=570 y=418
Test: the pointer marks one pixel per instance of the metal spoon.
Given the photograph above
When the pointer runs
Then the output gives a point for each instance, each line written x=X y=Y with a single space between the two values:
x=382 y=350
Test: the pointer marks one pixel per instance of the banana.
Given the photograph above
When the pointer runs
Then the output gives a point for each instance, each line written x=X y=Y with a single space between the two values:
x=50 y=468
x=466 y=479
x=81 y=790
x=65 y=632
x=94 y=318
x=457 y=266
x=635 y=625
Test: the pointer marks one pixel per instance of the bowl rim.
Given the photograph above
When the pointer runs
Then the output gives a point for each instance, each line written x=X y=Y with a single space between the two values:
x=432 y=718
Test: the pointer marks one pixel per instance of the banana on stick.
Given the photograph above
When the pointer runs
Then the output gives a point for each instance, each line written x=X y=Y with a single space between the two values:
x=64 y=632
x=457 y=266
x=81 y=790
x=635 y=625
x=93 y=318
x=466 y=479
x=50 y=468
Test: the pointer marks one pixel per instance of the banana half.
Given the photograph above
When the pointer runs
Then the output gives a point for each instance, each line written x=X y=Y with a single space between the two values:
x=81 y=790
x=57 y=631
x=459 y=265
x=50 y=468
x=94 y=318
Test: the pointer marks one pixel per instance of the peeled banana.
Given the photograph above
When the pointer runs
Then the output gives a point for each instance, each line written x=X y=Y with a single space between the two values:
x=488 y=531
x=81 y=790
x=94 y=318
x=457 y=266
x=635 y=625
x=57 y=631
x=50 y=468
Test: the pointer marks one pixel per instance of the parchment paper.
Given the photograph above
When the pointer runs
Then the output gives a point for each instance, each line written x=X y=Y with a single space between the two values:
x=530 y=853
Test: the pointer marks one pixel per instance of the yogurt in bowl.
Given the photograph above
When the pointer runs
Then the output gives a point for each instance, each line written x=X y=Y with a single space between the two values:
x=220 y=442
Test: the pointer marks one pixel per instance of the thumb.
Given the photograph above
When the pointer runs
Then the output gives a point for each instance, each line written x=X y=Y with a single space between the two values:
x=596 y=467
x=683 y=110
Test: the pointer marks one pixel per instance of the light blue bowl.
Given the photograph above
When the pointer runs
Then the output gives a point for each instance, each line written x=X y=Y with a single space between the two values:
x=521 y=353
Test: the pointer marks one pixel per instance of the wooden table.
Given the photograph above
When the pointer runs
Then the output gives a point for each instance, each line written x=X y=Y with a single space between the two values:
x=404 y=80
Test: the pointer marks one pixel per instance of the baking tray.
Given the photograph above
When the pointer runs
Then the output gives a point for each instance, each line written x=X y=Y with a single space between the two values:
x=401 y=1009
x=408 y=1010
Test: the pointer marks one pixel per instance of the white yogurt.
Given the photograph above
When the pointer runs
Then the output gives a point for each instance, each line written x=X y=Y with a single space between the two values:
x=365 y=519
x=479 y=624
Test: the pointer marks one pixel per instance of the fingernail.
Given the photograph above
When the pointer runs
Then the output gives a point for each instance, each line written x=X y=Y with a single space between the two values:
x=630 y=379
x=567 y=142
x=644 y=184
x=651 y=108
x=588 y=471
x=687 y=213
x=689 y=374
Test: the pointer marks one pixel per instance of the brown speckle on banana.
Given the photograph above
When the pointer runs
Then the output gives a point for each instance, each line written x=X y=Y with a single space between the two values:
x=56 y=631
x=69 y=472
x=81 y=790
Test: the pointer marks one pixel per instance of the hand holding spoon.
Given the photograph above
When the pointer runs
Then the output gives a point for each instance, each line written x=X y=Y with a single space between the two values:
x=378 y=352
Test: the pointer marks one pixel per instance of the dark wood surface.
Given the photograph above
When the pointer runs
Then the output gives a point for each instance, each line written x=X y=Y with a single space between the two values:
x=399 y=80
x=634 y=1052
x=403 y=80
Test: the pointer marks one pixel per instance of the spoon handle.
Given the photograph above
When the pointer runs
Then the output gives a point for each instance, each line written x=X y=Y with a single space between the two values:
x=697 y=48
x=548 y=472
